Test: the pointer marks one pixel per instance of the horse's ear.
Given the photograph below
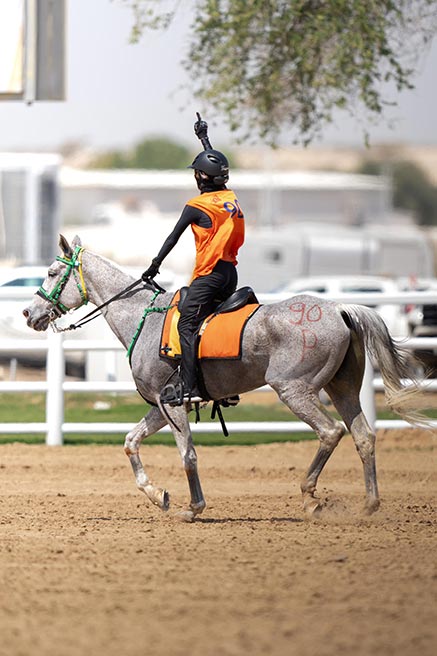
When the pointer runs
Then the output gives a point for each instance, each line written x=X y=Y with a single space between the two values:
x=76 y=241
x=65 y=246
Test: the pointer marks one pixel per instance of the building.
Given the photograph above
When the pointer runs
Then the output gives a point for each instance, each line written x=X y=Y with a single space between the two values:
x=268 y=197
x=29 y=207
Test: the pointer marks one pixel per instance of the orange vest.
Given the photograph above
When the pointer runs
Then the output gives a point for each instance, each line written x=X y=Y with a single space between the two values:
x=223 y=239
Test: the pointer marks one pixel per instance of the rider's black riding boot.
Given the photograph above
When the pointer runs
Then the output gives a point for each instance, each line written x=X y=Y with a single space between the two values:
x=188 y=369
x=185 y=390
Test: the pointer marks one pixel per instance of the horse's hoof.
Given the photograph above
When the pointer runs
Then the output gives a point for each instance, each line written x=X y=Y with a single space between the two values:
x=158 y=497
x=313 y=508
x=371 y=506
x=186 y=516
x=198 y=508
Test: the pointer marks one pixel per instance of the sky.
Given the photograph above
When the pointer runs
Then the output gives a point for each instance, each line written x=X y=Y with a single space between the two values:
x=119 y=93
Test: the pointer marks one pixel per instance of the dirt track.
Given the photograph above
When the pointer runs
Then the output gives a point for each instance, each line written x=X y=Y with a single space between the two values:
x=87 y=566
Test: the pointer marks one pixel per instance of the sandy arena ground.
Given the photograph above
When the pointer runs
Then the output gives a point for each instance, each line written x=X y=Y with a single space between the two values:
x=88 y=566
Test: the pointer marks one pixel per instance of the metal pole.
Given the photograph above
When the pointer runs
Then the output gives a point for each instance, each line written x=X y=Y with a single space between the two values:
x=55 y=394
x=32 y=249
x=367 y=395
x=30 y=52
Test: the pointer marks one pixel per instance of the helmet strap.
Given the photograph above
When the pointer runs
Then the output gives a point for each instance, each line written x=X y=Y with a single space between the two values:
x=207 y=182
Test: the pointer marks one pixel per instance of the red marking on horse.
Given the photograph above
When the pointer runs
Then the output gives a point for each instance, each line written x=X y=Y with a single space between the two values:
x=299 y=310
x=309 y=341
x=312 y=314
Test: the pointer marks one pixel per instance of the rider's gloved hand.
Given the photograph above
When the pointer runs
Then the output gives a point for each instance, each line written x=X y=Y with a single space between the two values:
x=151 y=272
x=200 y=128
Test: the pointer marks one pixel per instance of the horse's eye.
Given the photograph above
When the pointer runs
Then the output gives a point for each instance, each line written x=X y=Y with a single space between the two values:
x=51 y=273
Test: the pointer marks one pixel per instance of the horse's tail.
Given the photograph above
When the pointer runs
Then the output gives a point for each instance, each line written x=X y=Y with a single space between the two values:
x=396 y=364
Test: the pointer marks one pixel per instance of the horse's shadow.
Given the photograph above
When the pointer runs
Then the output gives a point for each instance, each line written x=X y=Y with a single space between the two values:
x=248 y=520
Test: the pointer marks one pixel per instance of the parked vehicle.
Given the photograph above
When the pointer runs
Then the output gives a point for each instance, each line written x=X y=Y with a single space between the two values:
x=422 y=319
x=26 y=276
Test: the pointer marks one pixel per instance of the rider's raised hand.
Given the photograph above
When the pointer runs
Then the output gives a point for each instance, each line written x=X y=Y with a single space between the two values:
x=200 y=128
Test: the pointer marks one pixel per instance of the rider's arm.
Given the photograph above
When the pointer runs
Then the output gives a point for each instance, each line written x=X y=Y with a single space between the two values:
x=201 y=132
x=189 y=215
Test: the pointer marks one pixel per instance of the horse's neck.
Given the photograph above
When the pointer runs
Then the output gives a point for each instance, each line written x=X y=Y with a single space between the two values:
x=103 y=280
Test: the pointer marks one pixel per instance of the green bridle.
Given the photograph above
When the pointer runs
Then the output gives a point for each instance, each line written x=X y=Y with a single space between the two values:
x=74 y=265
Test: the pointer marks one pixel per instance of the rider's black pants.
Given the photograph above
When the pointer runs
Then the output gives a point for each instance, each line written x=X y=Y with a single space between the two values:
x=199 y=303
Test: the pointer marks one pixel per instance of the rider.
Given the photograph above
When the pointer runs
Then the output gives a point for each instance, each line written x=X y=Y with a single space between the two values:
x=217 y=223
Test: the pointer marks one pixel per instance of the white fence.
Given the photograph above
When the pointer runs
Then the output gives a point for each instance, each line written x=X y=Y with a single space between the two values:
x=55 y=385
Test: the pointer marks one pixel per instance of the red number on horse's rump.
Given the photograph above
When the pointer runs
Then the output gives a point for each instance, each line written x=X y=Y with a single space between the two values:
x=313 y=314
x=299 y=313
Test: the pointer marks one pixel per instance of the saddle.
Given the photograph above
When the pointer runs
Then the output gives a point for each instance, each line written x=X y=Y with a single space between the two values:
x=220 y=334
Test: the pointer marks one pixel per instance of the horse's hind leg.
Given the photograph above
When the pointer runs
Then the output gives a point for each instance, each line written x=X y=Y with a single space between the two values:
x=303 y=401
x=150 y=424
x=344 y=391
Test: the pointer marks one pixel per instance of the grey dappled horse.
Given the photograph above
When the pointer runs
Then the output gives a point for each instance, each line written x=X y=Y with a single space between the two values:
x=298 y=346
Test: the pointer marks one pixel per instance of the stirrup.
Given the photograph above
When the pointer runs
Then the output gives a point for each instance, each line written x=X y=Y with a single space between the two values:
x=230 y=401
x=172 y=394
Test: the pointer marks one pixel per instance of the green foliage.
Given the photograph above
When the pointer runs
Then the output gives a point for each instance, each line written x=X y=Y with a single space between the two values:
x=113 y=159
x=412 y=189
x=270 y=66
x=152 y=153
x=160 y=153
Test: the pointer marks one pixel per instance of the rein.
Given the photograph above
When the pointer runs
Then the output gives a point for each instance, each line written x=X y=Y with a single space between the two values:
x=97 y=311
x=150 y=284
x=74 y=266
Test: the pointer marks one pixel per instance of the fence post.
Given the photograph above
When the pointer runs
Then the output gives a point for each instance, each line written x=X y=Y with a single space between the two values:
x=55 y=396
x=367 y=394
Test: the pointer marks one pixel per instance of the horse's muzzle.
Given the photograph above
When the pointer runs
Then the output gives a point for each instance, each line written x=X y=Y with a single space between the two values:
x=39 y=323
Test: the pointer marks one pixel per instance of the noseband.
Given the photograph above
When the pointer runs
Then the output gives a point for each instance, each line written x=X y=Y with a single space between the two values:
x=74 y=265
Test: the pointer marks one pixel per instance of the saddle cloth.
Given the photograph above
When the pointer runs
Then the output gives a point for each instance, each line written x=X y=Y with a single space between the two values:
x=220 y=335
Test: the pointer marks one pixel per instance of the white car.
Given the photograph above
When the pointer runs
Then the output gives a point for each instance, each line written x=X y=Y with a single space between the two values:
x=422 y=319
x=17 y=287
x=22 y=276
x=333 y=286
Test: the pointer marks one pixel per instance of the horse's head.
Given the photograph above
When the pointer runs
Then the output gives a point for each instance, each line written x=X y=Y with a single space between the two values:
x=63 y=289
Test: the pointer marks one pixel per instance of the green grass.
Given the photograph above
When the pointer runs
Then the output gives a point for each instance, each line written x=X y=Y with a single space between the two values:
x=30 y=407
x=130 y=408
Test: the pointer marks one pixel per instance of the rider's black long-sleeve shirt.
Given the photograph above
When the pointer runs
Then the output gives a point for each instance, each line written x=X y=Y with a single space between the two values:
x=189 y=215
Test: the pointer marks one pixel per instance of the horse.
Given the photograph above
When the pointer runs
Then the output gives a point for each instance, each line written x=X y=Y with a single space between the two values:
x=299 y=346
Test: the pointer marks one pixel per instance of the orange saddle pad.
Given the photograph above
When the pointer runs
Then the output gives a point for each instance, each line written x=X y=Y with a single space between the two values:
x=220 y=334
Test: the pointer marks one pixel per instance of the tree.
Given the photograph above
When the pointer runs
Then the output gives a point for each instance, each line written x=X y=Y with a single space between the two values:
x=159 y=153
x=287 y=65
x=113 y=159
x=151 y=153
x=412 y=190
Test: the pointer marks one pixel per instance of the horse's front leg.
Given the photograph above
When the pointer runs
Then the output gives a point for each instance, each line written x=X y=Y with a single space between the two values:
x=150 y=424
x=177 y=418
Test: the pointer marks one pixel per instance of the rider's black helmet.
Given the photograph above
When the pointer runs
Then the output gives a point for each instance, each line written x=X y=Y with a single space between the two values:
x=214 y=164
